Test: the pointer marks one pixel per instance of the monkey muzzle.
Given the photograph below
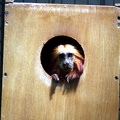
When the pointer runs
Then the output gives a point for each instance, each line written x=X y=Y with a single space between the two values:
x=66 y=67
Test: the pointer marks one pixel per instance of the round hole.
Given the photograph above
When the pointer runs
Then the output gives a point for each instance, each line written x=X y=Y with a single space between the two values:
x=116 y=78
x=118 y=17
x=5 y=74
x=6 y=22
x=51 y=44
x=118 y=25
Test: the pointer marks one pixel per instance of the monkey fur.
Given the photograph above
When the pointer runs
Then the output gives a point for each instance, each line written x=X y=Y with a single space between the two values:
x=66 y=63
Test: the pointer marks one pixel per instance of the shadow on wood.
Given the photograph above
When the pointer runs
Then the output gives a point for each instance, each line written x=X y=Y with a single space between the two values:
x=67 y=87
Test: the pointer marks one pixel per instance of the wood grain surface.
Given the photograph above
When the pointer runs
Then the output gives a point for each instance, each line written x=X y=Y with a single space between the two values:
x=26 y=86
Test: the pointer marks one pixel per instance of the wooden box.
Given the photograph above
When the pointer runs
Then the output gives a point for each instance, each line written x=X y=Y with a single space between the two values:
x=26 y=85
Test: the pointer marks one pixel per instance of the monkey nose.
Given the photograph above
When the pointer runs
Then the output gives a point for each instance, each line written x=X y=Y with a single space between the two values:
x=66 y=64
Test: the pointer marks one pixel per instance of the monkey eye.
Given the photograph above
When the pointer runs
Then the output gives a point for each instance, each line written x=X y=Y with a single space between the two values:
x=70 y=55
x=61 y=56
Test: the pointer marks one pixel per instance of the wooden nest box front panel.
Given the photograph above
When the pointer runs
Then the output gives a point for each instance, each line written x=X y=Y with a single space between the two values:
x=31 y=31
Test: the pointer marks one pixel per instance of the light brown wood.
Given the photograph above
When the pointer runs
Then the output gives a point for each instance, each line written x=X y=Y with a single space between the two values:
x=118 y=34
x=26 y=87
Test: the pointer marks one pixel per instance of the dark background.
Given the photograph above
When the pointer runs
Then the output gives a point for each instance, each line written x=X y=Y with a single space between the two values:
x=81 y=2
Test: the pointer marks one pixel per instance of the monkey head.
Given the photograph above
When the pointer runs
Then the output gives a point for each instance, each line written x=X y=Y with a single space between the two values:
x=66 y=62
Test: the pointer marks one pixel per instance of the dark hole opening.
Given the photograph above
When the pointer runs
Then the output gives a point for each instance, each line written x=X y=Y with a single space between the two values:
x=118 y=25
x=118 y=18
x=116 y=77
x=5 y=74
x=51 y=44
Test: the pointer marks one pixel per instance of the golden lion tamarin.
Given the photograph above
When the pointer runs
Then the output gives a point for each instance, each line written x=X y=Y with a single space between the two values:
x=66 y=63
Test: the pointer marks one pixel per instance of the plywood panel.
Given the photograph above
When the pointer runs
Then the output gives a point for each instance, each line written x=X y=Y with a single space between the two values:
x=26 y=86
x=118 y=34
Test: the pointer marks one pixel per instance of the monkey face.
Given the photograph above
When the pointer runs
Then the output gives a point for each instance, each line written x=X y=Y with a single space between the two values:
x=65 y=61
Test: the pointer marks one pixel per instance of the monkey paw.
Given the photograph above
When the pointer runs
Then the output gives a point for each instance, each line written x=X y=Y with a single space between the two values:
x=71 y=76
x=68 y=78
x=55 y=77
